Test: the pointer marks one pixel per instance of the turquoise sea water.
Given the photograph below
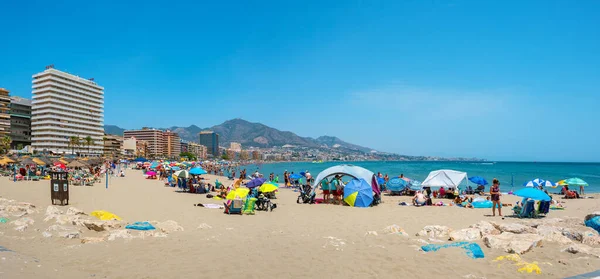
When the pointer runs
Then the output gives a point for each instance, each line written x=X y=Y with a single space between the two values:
x=520 y=172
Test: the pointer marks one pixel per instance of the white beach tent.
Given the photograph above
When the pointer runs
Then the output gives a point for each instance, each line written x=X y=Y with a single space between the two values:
x=348 y=170
x=445 y=178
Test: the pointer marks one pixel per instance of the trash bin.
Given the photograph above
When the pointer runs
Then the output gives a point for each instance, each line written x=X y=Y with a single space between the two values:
x=59 y=188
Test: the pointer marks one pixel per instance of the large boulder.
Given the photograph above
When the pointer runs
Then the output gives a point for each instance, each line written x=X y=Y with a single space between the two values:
x=583 y=249
x=98 y=225
x=75 y=211
x=578 y=233
x=469 y=234
x=168 y=226
x=486 y=228
x=52 y=210
x=92 y=239
x=513 y=243
x=435 y=231
x=514 y=228
x=553 y=234
x=69 y=234
x=21 y=224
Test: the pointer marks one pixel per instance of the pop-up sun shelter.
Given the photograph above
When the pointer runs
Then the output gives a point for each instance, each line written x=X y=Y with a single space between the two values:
x=444 y=178
x=348 y=170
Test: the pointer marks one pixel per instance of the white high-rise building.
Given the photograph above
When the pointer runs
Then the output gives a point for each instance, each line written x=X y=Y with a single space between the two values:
x=66 y=106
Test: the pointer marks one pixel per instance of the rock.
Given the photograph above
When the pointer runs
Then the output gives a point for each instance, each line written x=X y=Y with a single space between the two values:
x=52 y=210
x=57 y=228
x=515 y=228
x=371 y=233
x=46 y=234
x=513 y=243
x=591 y=240
x=169 y=226
x=583 y=249
x=98 y=225
x=21 y=228
x=144 y=234
x=69 y=234
x=553 y=234
x=469 y=234
x=119 y=234
x=92 y=240
x=394 y=229
x=75 y=211
x=23 y=221
x=486 y=228
x=579 y=233
x=67 y=219
x=434 y=231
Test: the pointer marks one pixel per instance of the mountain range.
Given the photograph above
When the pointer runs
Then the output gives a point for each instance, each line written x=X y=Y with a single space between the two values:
x=254 y=135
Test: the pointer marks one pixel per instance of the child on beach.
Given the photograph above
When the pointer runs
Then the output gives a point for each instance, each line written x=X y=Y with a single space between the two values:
x=495 y=195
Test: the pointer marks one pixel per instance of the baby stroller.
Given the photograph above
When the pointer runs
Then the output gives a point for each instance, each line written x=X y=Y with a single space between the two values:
x=263 y=203
x=306 y=195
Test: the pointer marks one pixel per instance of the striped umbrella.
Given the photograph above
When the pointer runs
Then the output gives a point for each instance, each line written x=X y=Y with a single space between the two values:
x=534 y=183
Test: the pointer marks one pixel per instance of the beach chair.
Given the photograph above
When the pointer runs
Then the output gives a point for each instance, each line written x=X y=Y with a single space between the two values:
x=528 y=210
x=234 y=206
x=543 y=208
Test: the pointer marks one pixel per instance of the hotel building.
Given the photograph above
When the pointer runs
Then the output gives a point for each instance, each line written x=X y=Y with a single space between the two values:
x=172 y=142
x=65 y=106
x=4 y=112
x=20 y=122
x=153 y=137
x=210 y=139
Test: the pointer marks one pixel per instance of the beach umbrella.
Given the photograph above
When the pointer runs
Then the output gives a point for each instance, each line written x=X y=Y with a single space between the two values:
x=295 y=176
x=547 y=183
x=380 y=180
x=8 y=160
x=197 y=171
x=576 y=182
x=396 y=184
x=532 y=193
x=76 y=164
x=176 y=168
x=182 y=174
x=60 y=165
x=302 y=173
x=534 y=183
x=241 y=193
x=268 y=187
x=255 y=182
x=150 y=173
x=415 y=185
x=358 y=193
x=478 y=180
x=37 y=161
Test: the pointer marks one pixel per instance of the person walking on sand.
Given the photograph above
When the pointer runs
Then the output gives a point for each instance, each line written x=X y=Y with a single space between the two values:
x=495 y=194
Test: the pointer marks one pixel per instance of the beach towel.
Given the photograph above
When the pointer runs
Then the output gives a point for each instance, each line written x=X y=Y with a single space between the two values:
x=211 y=205
x=140 y=226
x=593 y=222
x=473 y=250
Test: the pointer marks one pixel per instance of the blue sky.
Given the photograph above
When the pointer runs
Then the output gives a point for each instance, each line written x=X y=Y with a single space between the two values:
x=502 y=80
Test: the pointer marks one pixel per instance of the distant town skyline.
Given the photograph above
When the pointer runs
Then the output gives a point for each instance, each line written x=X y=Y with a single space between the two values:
x=506 y=80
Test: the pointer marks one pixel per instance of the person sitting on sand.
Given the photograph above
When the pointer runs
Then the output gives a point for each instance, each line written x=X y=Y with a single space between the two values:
x=419 y=199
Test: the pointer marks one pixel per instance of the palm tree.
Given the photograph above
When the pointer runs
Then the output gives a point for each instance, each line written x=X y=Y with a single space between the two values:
x=5 y=144
x=89 y=141
x=73 y=141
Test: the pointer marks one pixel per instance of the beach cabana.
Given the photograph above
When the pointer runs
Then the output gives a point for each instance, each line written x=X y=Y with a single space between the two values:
x=140 y=159
x=355 y=172
x=444 y=178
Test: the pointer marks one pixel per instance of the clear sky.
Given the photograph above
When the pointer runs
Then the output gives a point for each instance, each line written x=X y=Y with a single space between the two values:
x=502 y=80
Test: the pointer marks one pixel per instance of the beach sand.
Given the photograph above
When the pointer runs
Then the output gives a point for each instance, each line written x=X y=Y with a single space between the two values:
x=293 y=241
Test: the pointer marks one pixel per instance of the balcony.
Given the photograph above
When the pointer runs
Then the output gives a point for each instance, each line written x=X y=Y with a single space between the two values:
x=78 y=93
x=52 y=96
x=50 y=107
x=61 y=78
x=66 y=130
x=71 y=117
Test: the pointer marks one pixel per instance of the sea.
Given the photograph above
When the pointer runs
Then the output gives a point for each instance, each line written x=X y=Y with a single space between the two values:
x=512 y=175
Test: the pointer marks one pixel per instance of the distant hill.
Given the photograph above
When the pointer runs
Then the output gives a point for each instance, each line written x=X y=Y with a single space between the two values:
x=113 y=130
x=254 y=135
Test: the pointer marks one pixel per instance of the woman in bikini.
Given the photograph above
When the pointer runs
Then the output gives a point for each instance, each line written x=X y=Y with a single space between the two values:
x=495 y=194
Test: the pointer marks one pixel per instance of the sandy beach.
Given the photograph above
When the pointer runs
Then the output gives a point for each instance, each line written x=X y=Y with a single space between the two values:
x=293 y=241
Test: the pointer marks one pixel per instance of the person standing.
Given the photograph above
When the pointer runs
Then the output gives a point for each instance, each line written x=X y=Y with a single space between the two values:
x=285 y=178
x=495 y=194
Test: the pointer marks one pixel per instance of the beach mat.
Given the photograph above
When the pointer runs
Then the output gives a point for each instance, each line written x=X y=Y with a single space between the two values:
x=140 y=226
